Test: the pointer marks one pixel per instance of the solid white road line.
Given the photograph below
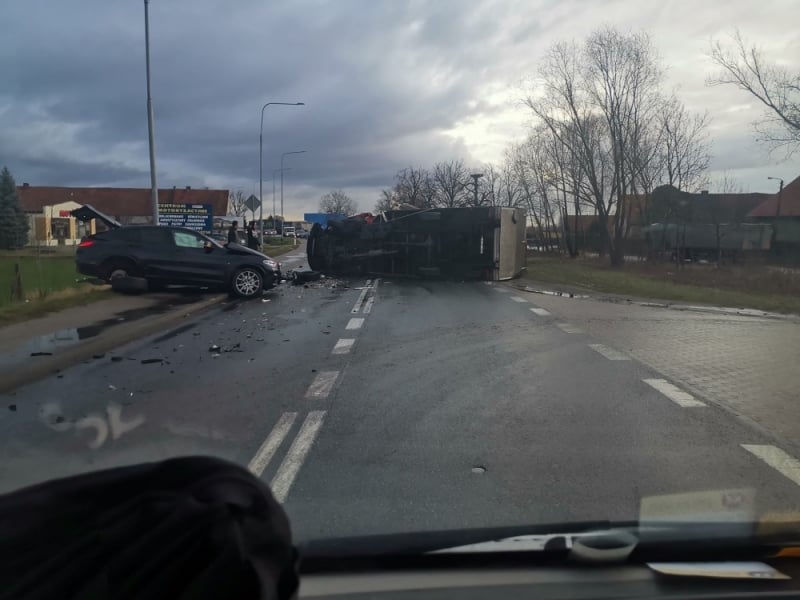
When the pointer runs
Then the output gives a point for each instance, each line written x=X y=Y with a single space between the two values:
x=541 y=312
x=518 y=299
x=343 y=346
x=271 y=444
x=297 y=454
x=322 y=384
x=609 y=353
x=776 y=458
x=371 y=299
x=357 y=306
x=567 y=328
x=677 y=395
x=355 y=323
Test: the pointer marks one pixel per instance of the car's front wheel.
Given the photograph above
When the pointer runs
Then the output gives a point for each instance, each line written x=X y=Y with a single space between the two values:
x=247 y=282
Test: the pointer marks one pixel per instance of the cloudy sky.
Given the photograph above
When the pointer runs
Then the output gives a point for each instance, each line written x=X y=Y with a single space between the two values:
x=386 y=84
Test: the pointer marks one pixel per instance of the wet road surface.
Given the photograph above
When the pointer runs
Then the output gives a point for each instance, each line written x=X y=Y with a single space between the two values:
x=375 y=406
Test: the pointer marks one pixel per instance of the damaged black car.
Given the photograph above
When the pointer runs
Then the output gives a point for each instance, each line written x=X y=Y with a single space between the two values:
x=163 y=256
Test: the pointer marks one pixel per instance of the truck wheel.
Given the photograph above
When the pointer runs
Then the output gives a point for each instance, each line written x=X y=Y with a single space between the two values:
x=247 y=282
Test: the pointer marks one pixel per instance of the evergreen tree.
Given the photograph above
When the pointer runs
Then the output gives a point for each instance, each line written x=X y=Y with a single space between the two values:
x=13 y=222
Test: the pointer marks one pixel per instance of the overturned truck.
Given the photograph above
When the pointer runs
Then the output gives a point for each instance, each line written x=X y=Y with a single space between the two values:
x=449 y=243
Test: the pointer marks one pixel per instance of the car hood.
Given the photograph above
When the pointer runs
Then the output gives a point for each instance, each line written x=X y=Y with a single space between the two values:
x=234 y=248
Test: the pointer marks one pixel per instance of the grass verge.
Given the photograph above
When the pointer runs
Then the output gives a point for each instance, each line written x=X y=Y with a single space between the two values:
x=735 y=287
x=59 y=300
x=275 y=251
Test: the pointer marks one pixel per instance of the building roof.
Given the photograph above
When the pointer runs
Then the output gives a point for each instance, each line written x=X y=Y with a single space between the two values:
x=119 y=202
x=790 y=203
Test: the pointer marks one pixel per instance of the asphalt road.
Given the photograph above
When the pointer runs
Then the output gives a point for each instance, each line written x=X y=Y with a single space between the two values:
x=386 y=406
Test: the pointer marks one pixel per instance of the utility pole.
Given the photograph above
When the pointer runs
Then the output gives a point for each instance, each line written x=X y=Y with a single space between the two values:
x=475 y=177
x=261 y=162
x=150 y=132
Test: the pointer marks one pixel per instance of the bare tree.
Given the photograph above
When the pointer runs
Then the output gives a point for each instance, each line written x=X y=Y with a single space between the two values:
x=236 y=206
x=508 y=188
x=450 y=179
x=409 y=186
x=386 y=202
x=685 y=154
x=337 y=203
x=602 y=106
x=774 y=86
x=727 y=184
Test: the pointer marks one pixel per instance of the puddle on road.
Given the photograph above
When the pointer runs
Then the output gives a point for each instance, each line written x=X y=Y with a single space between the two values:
x=41 y=347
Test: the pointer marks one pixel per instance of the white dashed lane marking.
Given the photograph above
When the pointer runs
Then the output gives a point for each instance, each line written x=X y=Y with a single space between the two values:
x=355 y=323
x=343 y=346
x=518 y=299
x=541 y=312
x=322 y=384
x=567 y=328
x=674 y=393
x=776 y=458
x=271 y=444
x=609 y=353
x=296 y=455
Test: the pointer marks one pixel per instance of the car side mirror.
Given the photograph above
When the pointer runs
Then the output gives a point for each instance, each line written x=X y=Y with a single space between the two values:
x=208 y=246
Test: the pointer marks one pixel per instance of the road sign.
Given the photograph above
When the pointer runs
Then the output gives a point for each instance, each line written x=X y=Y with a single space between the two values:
x=252 y=203
x=193 y=216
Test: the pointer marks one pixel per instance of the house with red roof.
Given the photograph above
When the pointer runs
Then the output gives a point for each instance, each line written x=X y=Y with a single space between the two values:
x=782 y=211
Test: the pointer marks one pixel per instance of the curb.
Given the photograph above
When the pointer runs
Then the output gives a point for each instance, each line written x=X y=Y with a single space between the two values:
x=618 y=299
x=118 y=335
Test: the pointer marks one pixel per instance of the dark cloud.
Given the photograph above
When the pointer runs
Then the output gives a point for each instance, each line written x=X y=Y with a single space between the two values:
x=385 y=85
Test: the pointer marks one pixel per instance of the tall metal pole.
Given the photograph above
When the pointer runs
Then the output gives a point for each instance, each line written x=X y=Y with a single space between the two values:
x=282 y=169
x=261 y=163
x=274 y=214
x=476 y=176
x=150 y=132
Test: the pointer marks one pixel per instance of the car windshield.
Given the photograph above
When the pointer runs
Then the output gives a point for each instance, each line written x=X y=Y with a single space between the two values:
x=494 y=263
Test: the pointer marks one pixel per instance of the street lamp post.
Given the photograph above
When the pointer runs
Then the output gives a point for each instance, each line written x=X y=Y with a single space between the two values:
x=261 y=162
x=150 y=126
x=274 y=172
x=281 y=169
x=780 y=191
x=475 y=177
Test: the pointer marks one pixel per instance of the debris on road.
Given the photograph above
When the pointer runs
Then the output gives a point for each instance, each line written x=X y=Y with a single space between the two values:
x=213 y=348
x=112 y=387
x=116 y=359
x=41 y=354
x=151 y=361
x=12 y=407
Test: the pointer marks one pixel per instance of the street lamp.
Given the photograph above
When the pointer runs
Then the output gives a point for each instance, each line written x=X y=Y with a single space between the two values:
x=273 y=193
x=780 y=191
x=281 y=169
x=261 y=162
x=150 y=132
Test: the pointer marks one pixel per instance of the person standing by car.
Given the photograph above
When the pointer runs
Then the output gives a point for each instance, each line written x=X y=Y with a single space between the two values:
x=232 y=232
x=252 y=240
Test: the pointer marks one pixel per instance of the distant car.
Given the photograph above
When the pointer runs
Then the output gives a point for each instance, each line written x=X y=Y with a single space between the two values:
x=175 y=256
x=301 y=233
x=288 y=231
